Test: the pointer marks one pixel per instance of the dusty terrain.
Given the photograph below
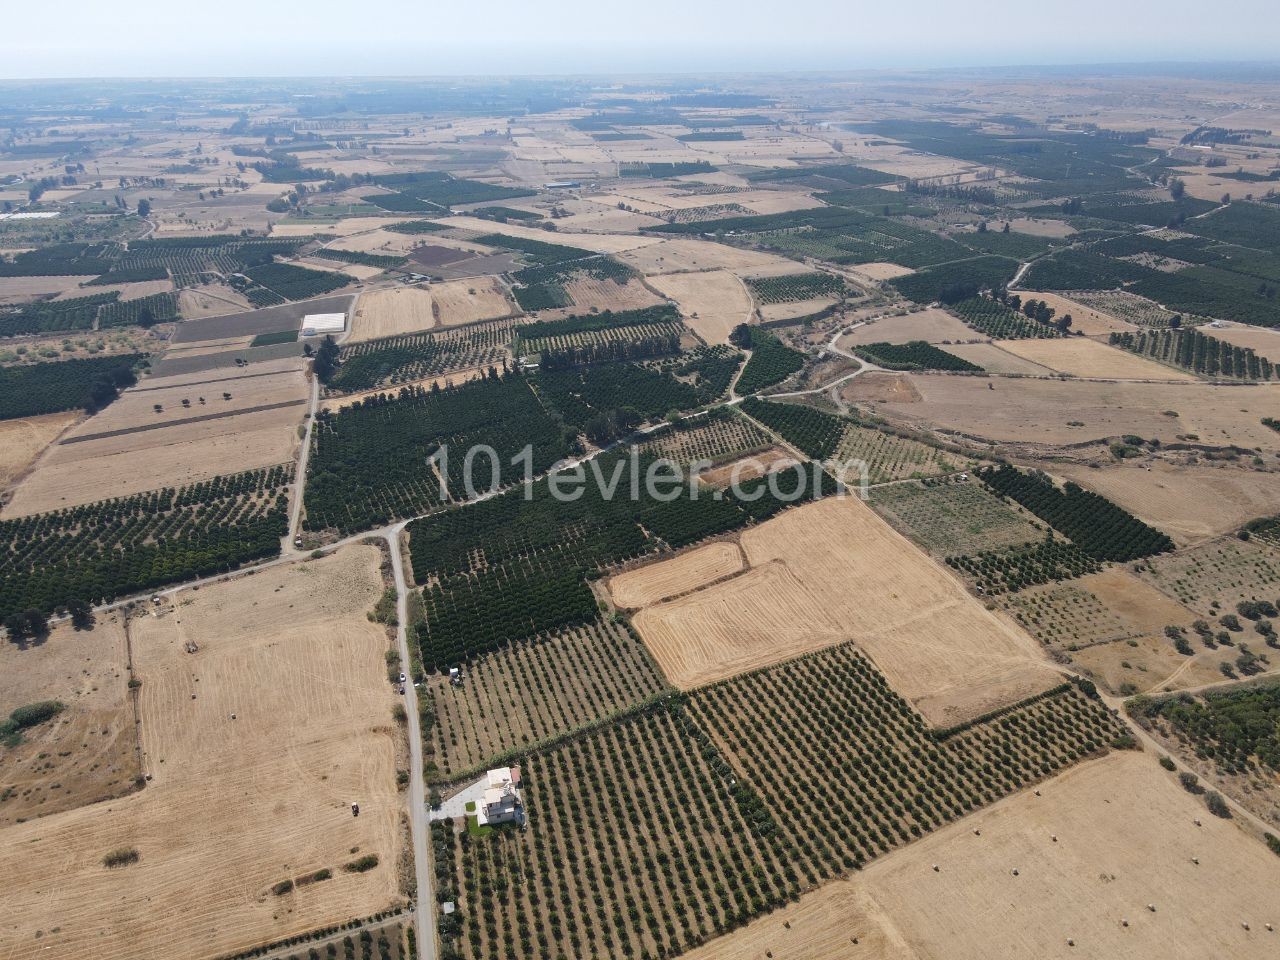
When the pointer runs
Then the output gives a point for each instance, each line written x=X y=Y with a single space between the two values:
x=931 y=324
x=655 y=582
x=1081 y=357
x=1190 y=503
x=88 y=752
x=22 y=440
x=1126 y=838
x=833 y=571
x=1043 y=411
x=467 y=301
x=256 y=427
x=1084 y=319
x=712 y=303
x=385 y=313
x=257 y=744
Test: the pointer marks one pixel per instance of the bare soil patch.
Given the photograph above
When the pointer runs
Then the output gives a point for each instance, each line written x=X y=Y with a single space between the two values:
x=1082 y=357
x=257 y=744
x=685 y=253
x=88 y=752
x=433 y=255
x=876 y=387
x=650 y=584
x=197 y=302
x=1126 y=837
x=22 y=289
x=1087 y=320
x=712 y=303
x=882 y=271
x=748 y=468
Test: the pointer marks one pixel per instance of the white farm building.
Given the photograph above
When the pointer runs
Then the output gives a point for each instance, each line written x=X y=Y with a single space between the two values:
x=317 y=324
x=501 y=802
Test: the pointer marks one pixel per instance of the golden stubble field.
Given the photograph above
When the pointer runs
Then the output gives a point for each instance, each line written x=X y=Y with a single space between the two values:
x=386 y=313
x=654 y=582
x=931 y=324
x=257 y=745
x=1066 y=411
x=712 y=303
x=21 y=441
x=175 y=452
x=1126 y=838
x=832 y=571
x=1082 y=357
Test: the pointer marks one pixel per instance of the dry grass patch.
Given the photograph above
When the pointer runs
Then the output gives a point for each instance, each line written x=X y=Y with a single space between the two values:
x=1081 y=357
x=257 y=745
x=685 y=573
x=1190 y=503
x=21 y=441
x=712 y=303
x=1126 y=837
x=1056 y=412
x=471 y=300
x=759 y=464
x=930 y=324
x=1211 y=578
x=88 y=752
x=993 y=358
x=686 y=253
x=1092 y=321
x=881 y=271
x=385 y=313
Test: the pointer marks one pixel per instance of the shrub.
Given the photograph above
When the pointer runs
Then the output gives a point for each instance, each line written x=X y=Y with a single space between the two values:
x=122 y=857
x=363 y=864
x=1190 y=782
x=1217 y=806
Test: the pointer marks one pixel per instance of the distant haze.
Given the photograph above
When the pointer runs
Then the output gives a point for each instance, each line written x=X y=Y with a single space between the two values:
x=136 y=38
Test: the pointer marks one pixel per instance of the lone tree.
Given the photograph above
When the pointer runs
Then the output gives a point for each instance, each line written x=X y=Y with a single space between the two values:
x=144 y=208
x=326 y=361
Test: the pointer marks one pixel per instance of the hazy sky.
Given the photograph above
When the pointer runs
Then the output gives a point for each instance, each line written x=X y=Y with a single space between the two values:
x=85 y=38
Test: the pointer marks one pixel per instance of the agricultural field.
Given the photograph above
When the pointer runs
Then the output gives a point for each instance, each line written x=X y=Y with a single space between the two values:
x=751 y=853
x=531 y=693
x=1212 y=577
x=1081 y=357
x=950 y=518
x=1194 y=351
x=1129 y=309
x=457 y=302
x=713 y=438
x=788 y=602
x=1120 y=817
x=21 y=441
x=996 y=320
x=931 y=325
x=395 y=360
x=89 y=750
x=246 y=421
x=385 y=313
x=890 y=456
x=691 y=570
x=712 y=302
x=771 y=362
x=1052 y=412
x=914 y=355
x=219 y=804
x=1191 y=503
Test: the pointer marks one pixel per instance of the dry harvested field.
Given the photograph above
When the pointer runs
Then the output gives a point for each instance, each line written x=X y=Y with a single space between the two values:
x=1084 y=319
x=22 y=440
x=1126 y=837
x=994 y=359
x=588 y=293
x=1037 y=227
x=881 y=271
x=1263 y=342
x=931 y=324
x=833 y=571
x=342 y=228
x=1190 y=503
x=89 y=751
x=685 y=253
x=197 y=302
x=257 y=744
x=385 y=313
x=1081 y=357
x=596 y=242
x=757 y=464
x=127 y=291
x=647 y=585
x=797 y=308
x=712 y=303
x=453 y=378
x=22 y=289
x=1042 y=411
x=468 y=301
x=182 y=451
x=358 y=270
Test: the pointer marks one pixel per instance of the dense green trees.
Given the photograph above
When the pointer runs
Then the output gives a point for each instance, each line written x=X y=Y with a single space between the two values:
x=772 y=361
x=89 y=382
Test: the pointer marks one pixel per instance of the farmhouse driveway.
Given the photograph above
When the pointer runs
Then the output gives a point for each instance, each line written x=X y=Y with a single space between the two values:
x=456 y=806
